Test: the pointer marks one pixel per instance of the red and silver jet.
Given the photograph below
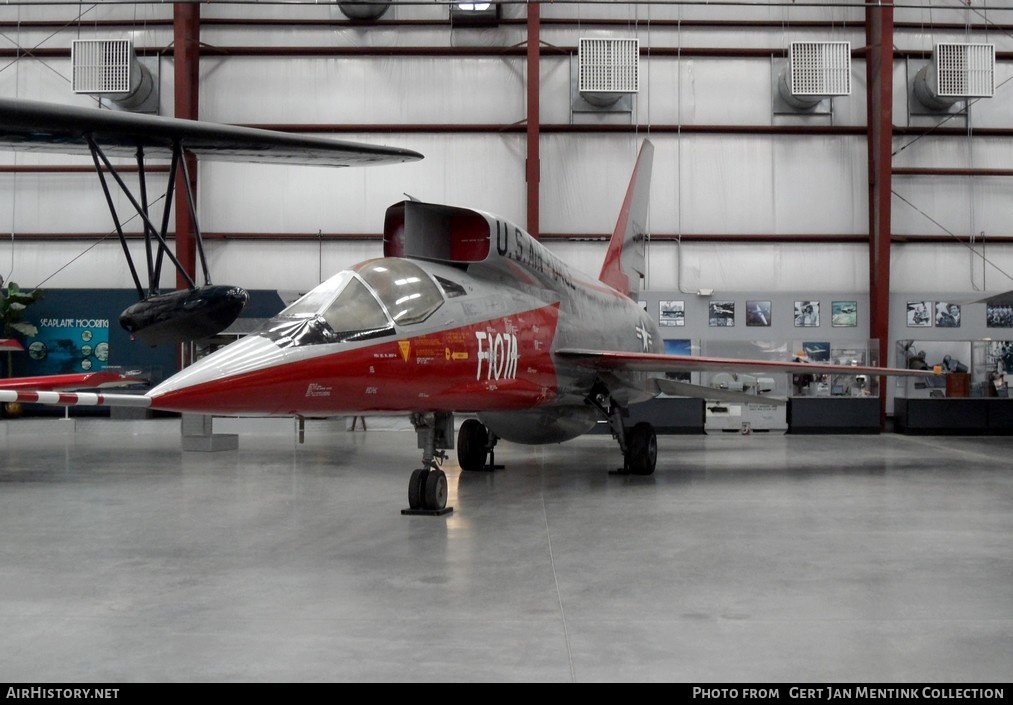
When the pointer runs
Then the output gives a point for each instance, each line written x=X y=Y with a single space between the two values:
x=464 y=312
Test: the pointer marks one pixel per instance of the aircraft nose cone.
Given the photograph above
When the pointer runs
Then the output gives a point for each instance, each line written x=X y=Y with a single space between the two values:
x=229 y=381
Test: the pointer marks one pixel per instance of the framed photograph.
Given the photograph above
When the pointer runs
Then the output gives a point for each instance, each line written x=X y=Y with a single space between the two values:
x=919 y=314
x=671 y=313
x=999 y=316
x=807 y=314
x=721 y=313
x=843 y=314
x=947 y=315
x=758 y=313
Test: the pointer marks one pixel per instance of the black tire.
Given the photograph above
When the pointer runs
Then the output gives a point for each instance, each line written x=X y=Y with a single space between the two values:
x=417 y=488
x=436 y=490
x=642 y=447
x=472 y=442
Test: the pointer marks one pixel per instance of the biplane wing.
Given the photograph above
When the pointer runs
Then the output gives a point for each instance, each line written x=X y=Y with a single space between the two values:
x=196 y=312
x=66 y=129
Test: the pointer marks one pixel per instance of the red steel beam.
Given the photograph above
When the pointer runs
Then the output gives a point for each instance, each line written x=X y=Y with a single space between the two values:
x=943 y=171
x=533 y=163
x=879 y=81
x=186 y=59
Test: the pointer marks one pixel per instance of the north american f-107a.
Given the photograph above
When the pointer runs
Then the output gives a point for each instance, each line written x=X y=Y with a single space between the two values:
x=464 y=312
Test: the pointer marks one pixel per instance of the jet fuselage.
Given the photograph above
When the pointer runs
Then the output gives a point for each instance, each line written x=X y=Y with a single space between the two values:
x=474 y=332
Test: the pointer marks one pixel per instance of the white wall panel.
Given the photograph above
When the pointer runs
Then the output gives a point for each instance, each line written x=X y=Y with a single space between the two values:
x=50 y=81
x=65 y=203
x=779 y=186
x=709 y=184
x=296 y=265
x=984 y=112
x=312 y=11
x=669 y=36
x=959 y=204
x=472 y=170
x=362 y=90
x=584 y=179
x=86 y=13
x=37 y=80
x=728 y=267
x=694 y=91
x=363 y=36
x=734 y=184
x=952 y=153
x=67 y=264
x=711 y=10
x=952 y=268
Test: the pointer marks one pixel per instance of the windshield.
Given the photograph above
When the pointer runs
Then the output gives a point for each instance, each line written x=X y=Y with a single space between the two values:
x=408 y=293
x=342 y=309
x=309 y=304
x=359 y=305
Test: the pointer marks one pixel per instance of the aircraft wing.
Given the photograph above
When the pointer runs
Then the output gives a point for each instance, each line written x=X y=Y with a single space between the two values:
x=51 y=127
x=85 y=380
x=614 y=361
x=685 y=389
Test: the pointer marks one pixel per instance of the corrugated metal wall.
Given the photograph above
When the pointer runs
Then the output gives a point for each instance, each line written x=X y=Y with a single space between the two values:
x=727 y=169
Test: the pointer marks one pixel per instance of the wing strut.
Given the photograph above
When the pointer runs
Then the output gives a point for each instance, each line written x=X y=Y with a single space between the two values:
x=112 y=210
x=141 y=208
x=192 y=205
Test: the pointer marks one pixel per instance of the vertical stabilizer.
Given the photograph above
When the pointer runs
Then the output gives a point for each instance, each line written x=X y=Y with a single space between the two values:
x=625 y=262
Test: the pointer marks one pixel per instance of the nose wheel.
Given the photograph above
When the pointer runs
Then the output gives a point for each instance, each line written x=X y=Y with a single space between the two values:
x=427 y=491
x=427 y=486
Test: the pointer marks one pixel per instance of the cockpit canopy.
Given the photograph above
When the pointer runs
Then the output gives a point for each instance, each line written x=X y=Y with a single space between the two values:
x=359 y=304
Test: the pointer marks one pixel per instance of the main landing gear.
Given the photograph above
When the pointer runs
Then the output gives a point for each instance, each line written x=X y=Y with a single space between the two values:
x=427 y=488
x=638 y=444
x=474 y=444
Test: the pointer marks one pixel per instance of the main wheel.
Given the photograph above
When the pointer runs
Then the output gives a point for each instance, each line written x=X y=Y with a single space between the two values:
x=642 y=453
x=472 y=442
x=417 y=488
x=436 y=490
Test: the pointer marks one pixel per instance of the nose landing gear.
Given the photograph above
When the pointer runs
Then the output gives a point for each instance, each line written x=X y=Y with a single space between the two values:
x=427 y=487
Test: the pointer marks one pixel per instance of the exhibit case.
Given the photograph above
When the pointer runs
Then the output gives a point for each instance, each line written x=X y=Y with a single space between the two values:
x=969 y=396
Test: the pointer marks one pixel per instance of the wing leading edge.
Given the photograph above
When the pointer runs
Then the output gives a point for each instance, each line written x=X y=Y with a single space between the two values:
x=51 y=127
x=618 y=362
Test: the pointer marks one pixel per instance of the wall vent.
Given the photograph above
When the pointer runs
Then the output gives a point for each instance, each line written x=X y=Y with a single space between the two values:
x=965 y=70
x=609 y=66
x=957 y=72
x=109 y=68
x=102 y=66
x=820 y=68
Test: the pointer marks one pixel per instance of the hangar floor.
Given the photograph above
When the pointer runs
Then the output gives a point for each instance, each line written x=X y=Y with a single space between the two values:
x=759 y=558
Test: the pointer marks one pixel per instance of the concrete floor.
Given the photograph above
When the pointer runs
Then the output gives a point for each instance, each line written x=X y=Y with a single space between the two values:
x=758 y=558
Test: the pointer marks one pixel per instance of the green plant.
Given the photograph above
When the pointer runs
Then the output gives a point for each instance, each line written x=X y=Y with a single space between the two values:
x=13 y=302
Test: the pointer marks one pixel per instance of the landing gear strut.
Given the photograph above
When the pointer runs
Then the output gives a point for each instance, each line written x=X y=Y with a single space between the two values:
x=474 y=444
x=427 y=488
x=639 y=444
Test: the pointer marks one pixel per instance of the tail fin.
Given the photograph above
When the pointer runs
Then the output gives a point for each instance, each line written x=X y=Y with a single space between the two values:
x=625 y=262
